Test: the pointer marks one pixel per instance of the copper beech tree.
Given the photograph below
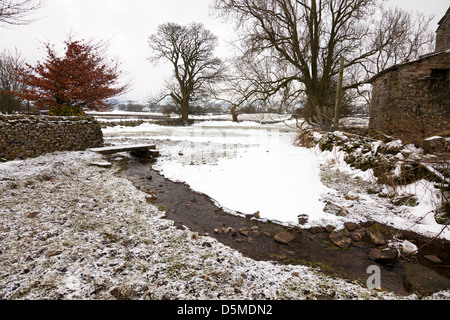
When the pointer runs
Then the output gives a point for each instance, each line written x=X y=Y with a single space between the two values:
x=83 y=79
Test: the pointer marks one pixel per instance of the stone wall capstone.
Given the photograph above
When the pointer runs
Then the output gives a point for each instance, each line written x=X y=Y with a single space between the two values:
x=23 y=136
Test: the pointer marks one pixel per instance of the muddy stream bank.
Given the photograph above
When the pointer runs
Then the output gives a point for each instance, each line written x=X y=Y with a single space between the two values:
x=256 y=239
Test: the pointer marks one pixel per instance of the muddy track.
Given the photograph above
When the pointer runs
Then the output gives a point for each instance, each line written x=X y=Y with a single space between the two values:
x=255 y=239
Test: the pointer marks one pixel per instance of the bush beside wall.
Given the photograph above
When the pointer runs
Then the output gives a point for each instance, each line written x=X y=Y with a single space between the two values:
x=23 y=136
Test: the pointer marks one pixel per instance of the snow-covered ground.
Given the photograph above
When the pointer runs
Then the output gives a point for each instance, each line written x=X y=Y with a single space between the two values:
x=249 y=167
x=70 y=230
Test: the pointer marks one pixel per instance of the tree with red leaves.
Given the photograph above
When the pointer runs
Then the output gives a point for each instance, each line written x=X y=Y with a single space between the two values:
x=81 y=80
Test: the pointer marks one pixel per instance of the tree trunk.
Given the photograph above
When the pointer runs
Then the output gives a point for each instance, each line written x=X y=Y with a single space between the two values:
x=234 y=114
x=185 y=110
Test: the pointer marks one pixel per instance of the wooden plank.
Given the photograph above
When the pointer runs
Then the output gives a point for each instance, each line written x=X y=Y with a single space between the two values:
x=123 y=148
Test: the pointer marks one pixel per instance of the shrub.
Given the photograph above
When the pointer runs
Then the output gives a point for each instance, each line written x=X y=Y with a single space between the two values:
x=66 y=111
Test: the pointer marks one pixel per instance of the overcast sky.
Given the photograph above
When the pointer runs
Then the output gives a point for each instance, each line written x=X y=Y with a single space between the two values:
x=127 y=25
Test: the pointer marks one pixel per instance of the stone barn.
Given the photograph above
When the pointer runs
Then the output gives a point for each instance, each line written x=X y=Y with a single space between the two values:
x=412 y=99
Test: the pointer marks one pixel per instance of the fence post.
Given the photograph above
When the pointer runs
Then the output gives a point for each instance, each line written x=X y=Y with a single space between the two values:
x=339 y=93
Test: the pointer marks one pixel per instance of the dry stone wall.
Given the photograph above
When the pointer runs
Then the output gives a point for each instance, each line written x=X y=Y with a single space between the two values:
x=23 y=136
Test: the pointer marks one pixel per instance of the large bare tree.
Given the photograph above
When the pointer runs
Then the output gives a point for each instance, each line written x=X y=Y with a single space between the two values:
x=292 y=48
x=17 y=11
x=190 y=50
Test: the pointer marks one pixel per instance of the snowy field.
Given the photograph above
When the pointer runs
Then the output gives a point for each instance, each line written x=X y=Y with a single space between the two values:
x=249 y=167
x=70 y=230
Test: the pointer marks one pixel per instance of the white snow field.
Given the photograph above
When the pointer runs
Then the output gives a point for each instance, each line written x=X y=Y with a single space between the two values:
x=249 y=167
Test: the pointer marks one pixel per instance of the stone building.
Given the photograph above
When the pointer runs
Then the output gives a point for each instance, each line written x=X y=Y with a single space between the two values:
x=413 y=98
x=442 y=33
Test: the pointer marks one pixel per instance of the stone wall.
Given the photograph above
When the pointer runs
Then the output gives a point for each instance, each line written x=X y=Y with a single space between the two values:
x=412 y=97
x=23 y=136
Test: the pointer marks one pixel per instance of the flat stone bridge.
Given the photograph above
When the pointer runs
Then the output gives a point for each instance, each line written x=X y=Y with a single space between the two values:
x=137 y=150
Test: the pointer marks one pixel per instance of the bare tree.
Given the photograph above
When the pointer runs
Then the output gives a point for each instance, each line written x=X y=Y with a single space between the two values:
x=16 y=11
x=10 y=63
x=304 y=41
x=250 y=83
x=190 y=50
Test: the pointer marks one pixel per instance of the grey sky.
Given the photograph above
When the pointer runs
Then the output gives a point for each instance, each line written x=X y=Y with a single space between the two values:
x=127 y=24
